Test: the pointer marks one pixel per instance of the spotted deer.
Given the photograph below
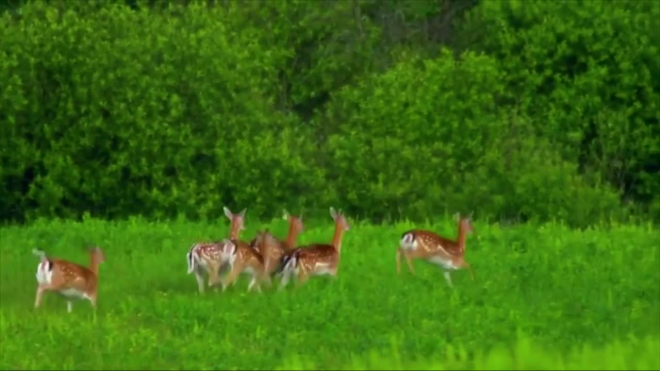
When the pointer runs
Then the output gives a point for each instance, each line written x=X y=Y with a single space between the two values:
x=273 y=249
x=242 y=259
x=70 y=280
x=448 y=254
x=206 y=257
x=316 y=259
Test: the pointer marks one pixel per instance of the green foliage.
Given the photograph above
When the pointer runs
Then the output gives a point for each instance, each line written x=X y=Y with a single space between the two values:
x=589 y=71
x=325 y=44
x=543 y=111
x=428 y=137
x=125 y=112
x=569 y=290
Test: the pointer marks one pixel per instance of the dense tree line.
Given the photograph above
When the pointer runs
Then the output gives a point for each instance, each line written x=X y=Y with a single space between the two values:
x=511 y=109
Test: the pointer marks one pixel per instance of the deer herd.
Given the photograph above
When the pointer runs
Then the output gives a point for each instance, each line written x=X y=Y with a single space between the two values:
x=263 y=258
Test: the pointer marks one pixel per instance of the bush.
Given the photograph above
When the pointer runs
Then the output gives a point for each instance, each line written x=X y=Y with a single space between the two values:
x=589 y=73
x=173 y=110
x=126 y=112
x=428 y=137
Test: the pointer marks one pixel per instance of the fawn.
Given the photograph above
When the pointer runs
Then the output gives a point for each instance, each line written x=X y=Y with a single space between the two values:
x=429 y=246
x=206 y=257
x=273 y=249
x=70 y=280
x=316 y=259
x=242 y=258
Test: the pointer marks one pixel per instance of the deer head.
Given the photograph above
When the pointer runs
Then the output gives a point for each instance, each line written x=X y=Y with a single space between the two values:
x=295 y=222
x=237 y=221
x=340 y=219
x=464 y=223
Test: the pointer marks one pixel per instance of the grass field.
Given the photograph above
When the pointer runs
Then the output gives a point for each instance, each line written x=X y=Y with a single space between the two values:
x=544 y=297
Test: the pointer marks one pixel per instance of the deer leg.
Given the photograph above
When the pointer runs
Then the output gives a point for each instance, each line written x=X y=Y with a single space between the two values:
x=254 y=282
x=302 y=278
x=258 y=280
x=266 y=277
x=69 y=306
x=409 y=262
x=92 y=300
x=231 y=278
x=200 y=281
x=448 y=278
x=286 y=276
x=39 y=297
x=405 y=253
x=268 y=266
x=214 y=274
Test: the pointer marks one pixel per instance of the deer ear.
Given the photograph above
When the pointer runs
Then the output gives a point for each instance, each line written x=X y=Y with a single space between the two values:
x=285 y=214
x=227 y=212
x=242 y=214
x=457 y=216
x=333 y=213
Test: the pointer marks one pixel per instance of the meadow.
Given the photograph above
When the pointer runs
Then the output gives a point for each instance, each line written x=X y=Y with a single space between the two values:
x=544 y=297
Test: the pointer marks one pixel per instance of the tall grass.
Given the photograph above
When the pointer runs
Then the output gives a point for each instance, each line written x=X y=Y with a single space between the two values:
x=582 y=299
x=632 y=354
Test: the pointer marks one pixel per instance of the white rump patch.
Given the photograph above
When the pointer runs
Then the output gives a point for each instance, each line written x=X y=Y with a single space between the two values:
x=44 y=273
x=191 y=257
x=408 y=242
x=291 y=265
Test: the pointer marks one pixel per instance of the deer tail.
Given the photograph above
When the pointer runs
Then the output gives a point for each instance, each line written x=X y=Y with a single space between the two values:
x=291 y=261
x=192 y=259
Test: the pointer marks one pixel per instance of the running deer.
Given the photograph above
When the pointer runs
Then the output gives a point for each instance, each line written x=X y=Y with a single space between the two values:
x=316 y=259
x=70 y=280
x=429 y=246
x=273 y=249
x=242 y=258
x=206 y=257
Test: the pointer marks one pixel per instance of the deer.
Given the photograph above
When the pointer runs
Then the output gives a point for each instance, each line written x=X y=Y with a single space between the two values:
x=242 y=258
x=70 y=280
x=273 y=249
x=206 y=257
x=448 y=254
x=237 y=222
x=316 y=259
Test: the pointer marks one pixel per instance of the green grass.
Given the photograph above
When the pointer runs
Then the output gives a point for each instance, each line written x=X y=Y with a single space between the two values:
x=544 y=297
